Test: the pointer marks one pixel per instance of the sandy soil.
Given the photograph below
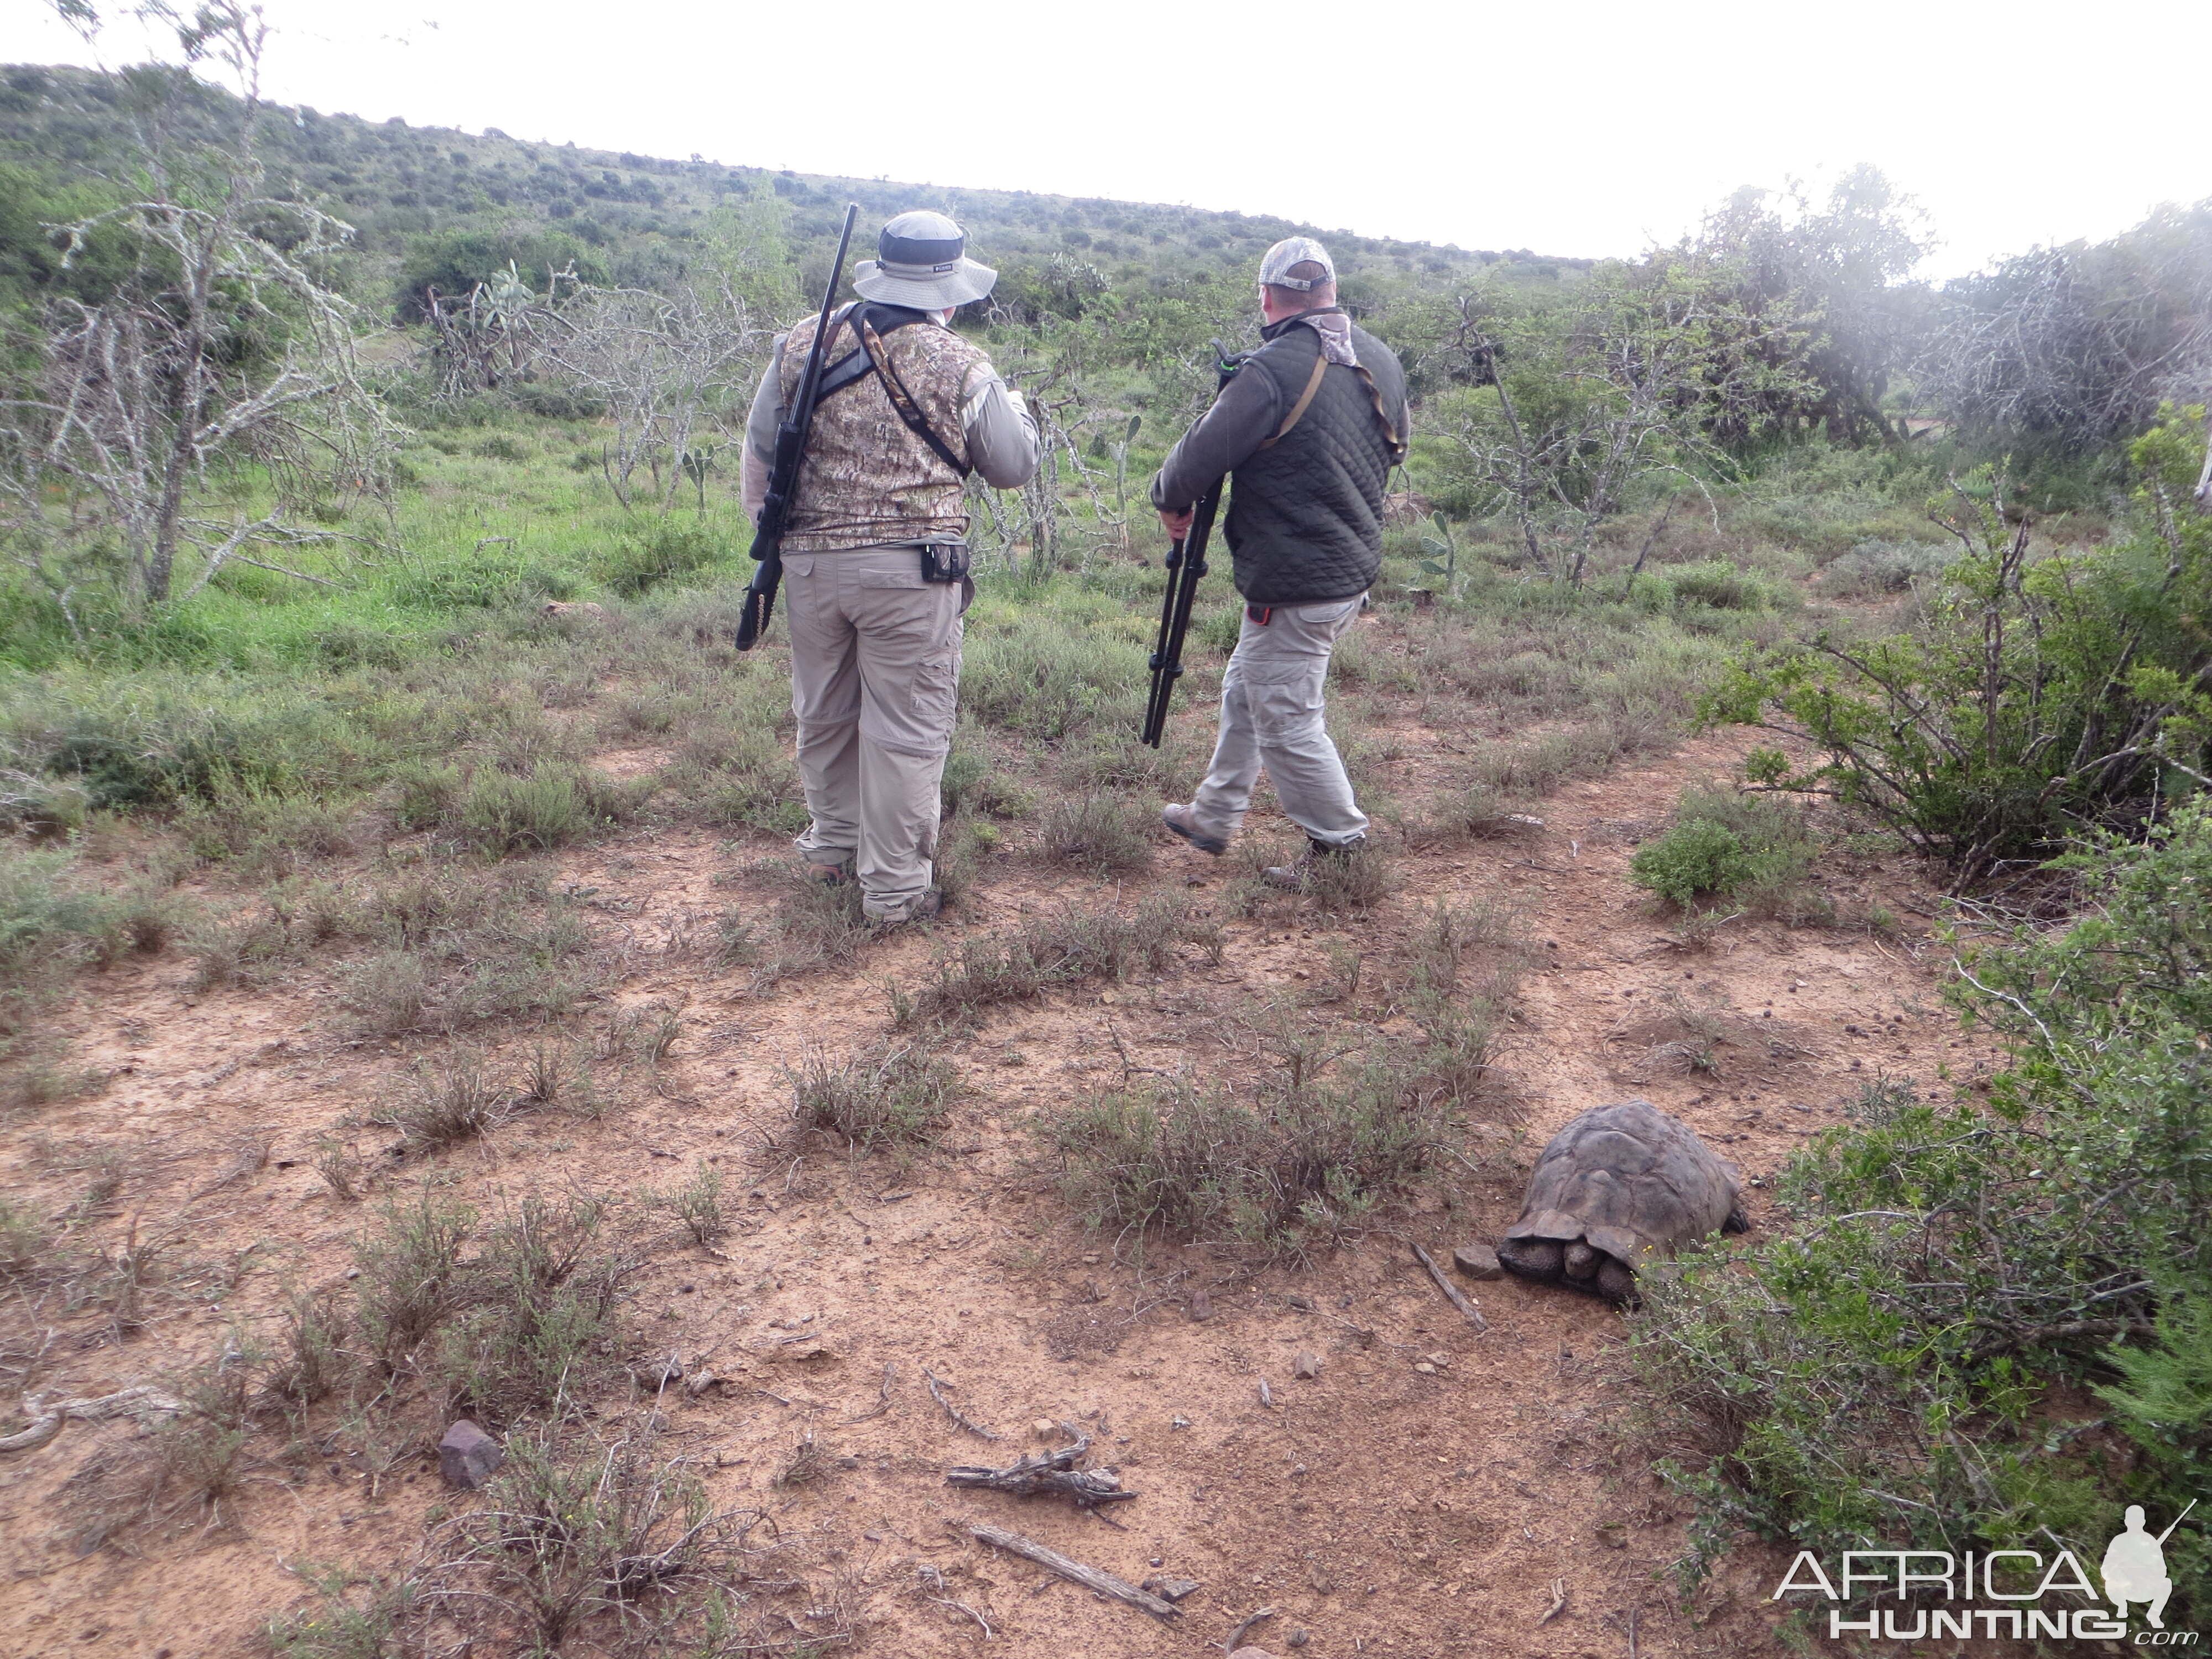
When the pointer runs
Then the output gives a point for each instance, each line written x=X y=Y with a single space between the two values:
x=1420 y=1496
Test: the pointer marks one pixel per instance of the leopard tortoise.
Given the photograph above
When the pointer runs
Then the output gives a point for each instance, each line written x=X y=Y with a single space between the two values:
x=1619 y=1185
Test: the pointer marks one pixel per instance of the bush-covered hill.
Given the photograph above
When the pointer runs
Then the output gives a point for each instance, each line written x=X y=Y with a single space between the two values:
x=436 y=205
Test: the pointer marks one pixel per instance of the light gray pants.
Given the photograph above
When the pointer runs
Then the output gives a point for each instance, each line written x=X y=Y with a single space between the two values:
x=1272 y=715
x=875 y=681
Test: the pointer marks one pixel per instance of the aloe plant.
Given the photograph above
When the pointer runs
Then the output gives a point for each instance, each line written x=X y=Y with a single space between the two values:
x=1443 y=550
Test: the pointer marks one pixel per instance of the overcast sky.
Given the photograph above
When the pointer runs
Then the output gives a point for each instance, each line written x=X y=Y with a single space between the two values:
x=1596 y=128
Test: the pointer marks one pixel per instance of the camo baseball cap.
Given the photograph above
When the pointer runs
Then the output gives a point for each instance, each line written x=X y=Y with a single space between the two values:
x=1275 y=265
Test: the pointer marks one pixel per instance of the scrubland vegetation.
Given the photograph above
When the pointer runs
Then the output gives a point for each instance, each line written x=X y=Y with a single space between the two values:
x=335 y=705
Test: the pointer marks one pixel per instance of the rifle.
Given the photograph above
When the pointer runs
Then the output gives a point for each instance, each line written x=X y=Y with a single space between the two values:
x=1186 y=564
x=783 y=476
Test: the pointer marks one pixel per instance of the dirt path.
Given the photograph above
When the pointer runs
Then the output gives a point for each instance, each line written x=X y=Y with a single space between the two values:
x=1420 y=1496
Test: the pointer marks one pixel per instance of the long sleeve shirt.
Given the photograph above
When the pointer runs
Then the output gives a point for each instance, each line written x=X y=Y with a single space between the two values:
x=1001 y=434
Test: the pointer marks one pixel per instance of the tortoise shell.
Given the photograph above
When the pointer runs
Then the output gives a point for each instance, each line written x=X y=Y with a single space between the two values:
x=1626 y=1181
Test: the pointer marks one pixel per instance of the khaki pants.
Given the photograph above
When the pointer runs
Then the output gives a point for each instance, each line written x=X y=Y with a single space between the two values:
x=875 y=679
x=1272 y=714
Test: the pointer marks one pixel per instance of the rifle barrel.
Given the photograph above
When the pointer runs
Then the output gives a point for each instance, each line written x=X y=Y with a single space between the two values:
x=1186 y=564
x=790 y=452
x=2178 y=1520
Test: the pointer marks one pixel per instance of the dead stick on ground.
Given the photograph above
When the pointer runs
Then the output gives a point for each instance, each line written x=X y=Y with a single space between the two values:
x=882 y=1401
x=953 y=1411
x=1237 y=1636
x=1559 y=1602
x=1452 y=1293
x=987 y=1631
x=1089 y=1578
x=1632 y=1633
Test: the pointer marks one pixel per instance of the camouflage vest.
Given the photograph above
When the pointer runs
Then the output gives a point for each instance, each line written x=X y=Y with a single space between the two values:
x=866 y=477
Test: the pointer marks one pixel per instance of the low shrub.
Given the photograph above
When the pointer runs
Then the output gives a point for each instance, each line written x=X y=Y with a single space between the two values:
x=552 y=807
x=2035 y=698
x=1873 y=569
x=538 y=1312
x=698 y=1205
x=668 y=551
x=1048 y=951
x=1105 y=833
x=1729 y=846
x=891 y=1093
x=443 y=1108
x=1885 y=1372
x=1300 y=1155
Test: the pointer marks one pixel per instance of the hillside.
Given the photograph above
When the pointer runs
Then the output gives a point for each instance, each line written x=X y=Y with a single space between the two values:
x=435 y=201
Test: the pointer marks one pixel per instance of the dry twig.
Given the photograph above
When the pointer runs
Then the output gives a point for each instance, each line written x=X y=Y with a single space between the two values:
x=1091 y=1579
x=1237 y=1636
x=884 y=1399
x=987 y=1631
x=1559 y=1602
x=937 y=1393
x=1453 y=1294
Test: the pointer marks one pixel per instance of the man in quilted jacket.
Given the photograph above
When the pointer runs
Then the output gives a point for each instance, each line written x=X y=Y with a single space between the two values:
x=1307 y=432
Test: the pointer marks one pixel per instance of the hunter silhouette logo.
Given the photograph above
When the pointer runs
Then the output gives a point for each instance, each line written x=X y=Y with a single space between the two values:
x=2134 y=1567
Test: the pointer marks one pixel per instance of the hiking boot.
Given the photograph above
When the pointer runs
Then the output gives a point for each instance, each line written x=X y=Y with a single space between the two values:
x=829 y=875
x=920 y=909
x=1292 y=878
x=1182 y=821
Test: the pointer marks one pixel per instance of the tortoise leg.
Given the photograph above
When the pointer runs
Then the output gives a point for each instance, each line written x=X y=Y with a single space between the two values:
x=1737 y=1221
x=1531 y=1258
x=1615 y=1282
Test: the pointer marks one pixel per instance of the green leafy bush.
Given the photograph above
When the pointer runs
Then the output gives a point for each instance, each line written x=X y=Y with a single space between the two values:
x=1690 y=859
x=1880 y=1374
x=2038 y=696
x=1728 y=846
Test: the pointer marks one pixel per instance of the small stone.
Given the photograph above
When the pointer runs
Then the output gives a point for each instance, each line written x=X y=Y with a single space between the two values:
x=1089 y=1260
x=1306 y=1366
x=1477 y=1261
x=1201 y=1306
x=1170 y=1590
x=1298 y=1638
x=661 y=1373
x=1302 y=1303
x=1251 y=1653
x=467 y=1456
x=1045 y=1428
x=1424 y=1368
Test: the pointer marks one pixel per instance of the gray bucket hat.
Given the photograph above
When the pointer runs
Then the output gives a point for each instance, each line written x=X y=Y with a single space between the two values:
x=921 y=265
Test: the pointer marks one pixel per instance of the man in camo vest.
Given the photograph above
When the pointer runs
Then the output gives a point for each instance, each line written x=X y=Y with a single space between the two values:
x=874 y=552
x=1308 y=430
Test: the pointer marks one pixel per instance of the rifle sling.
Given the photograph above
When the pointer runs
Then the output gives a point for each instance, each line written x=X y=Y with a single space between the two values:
x=870 y=357
x=1390 y=434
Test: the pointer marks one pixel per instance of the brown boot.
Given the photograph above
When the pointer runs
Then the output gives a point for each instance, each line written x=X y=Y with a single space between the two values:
x=1292 y=878
x=920 y=909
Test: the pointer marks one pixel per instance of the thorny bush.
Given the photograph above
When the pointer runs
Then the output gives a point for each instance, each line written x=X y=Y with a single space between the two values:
x=1881 y=1374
